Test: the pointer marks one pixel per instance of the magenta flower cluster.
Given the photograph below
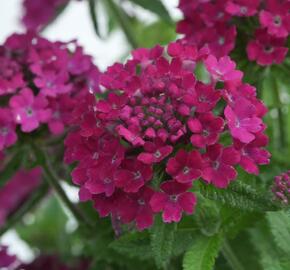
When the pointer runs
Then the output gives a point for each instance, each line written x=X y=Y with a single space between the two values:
x=281 y=187
x=213 y=23
x=40 y=83
x=17 y=190
x=159 y=129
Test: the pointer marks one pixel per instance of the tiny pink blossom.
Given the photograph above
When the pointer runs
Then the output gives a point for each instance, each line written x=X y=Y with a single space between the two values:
x=30 y=110
x=243 y=122
x=242 y=7
x=276 y=18
x=219 y=162
x=185 y=166
x=253 y=154
x=223 y=69
x=133 y=175
x=172 y=201
x=154 y=153
x=144 y=215
x=206 y=129
x=266 y=49
x=101 y=180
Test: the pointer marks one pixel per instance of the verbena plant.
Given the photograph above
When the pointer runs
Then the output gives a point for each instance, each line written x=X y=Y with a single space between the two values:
x=180 y=154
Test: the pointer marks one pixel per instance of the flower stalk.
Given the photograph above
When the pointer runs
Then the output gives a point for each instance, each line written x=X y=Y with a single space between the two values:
x=53 y=181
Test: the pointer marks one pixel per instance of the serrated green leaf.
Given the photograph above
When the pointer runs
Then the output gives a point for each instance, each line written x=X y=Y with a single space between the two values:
x=238 y=195
x=270 y=257
x=162 y=239
x=235 y=220
x=134 y=245
x=202 y=254
x=155 y=6
x=280 y=227
x=93 y=14
x=207 y=216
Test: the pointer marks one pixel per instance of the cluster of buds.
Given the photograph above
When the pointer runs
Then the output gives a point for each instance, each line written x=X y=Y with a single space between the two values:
x=159 y=129
x=217 y=25
x=40 y=83
x=281 y=187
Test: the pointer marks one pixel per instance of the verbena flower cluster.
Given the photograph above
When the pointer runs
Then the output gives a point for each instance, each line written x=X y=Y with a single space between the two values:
x=217 y=24
x=40 y=83
x=38 y=14
x=17 y=190
x=281 y=187
x=159 y=128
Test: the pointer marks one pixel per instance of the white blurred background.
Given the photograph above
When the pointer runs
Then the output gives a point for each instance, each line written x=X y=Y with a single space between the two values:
x=74 y=23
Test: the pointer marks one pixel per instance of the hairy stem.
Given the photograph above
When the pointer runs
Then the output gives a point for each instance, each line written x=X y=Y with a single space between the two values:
x=34 y=200
x=124 y=23
x=53 y=181
x=230 y=256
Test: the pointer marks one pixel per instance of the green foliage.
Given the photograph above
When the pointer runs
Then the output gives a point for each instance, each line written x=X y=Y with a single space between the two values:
x=270 y=256
x=202 y=254
x=48 y=230
x=162 y=239
x=155 y=6
x=280 y=227
x=238 y=195
x=245 y=252
x=134 y=244
x=149 y=35
x=207 y=216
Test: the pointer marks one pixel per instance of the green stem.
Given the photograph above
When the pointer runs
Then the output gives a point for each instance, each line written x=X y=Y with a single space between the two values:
x=124 y=23
x=53 y=181
x=34 y=200
x=230 y=256
x=278 y=104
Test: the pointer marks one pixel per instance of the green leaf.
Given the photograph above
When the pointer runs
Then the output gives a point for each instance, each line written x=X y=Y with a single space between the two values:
x=92 y=8
x=280 y=227
x=207 y=216
x=244 y=251
x=162 y=239
x=134 y=244
x=202 y=254
x=238 y=195
x=149 y=35
x=155 y=6
x=270 y=257
x=235 y=220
